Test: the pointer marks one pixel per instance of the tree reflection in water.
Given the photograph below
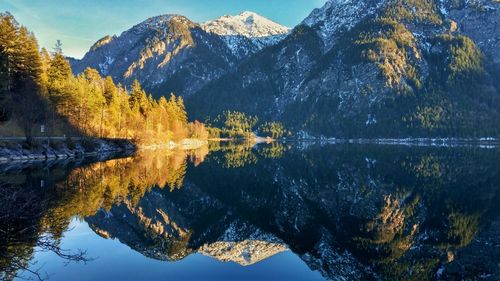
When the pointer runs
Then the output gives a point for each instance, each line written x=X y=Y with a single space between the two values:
x=352 y=212
x=38 y=203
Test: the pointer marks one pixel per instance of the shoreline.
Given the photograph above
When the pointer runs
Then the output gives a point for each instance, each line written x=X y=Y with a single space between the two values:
x=185 y=144
x=485 y=142
x=18 y=151
x=489 y=143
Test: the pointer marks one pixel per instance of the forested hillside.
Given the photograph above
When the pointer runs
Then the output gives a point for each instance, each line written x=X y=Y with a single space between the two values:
x=374 y=68
x=39 y=94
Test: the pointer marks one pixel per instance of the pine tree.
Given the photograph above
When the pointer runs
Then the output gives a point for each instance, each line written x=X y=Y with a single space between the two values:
x=182 y=115
x=136 y=94
x=45 y=60
x=8 y=39
x=59 y=70
x=26 y=95
x=61 y=91
x=110 y=90
x=27 y=57
x=4 y=83
x=58 y=47
x=8 y=45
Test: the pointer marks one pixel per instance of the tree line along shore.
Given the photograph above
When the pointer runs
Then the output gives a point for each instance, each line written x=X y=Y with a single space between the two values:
x=57 y=112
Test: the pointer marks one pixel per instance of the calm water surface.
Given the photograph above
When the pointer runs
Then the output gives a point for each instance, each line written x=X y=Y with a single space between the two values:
x=266 y=212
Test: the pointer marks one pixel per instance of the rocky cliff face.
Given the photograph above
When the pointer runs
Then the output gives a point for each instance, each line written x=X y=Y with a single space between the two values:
x=170 y=53
x=373 y=68
x=479 y=20
x=166 y=53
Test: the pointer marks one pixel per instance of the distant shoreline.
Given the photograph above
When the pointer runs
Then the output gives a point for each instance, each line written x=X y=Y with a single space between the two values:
x=13 y=149
x=488 y=142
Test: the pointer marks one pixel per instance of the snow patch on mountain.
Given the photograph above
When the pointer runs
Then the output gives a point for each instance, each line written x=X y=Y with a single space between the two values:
x=104 y=67
x=247 y=32
x=173 y=48
x=245 y=252
x=339 y=15
x=248 y=24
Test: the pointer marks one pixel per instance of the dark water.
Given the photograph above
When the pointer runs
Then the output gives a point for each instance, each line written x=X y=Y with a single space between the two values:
x=269 y=212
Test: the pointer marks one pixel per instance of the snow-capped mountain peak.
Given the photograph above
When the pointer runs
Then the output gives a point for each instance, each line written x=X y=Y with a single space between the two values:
x=164 y=47
x=248 y=24
x=247 y=32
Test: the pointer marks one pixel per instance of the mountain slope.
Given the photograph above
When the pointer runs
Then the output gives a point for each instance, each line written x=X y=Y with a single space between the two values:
x=170 y=53
x=167 y=53
x=374 y=69
x=247 y=32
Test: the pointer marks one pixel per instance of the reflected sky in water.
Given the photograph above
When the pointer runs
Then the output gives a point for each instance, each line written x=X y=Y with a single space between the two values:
x=116 y=261
x=275 y=211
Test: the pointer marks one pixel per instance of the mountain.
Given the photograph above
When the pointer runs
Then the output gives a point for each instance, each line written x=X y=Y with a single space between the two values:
x=247 y=32
x=170 y=53
x=352 y=68
x=368 y=213
x=245 y=253
x=159 y=228
x=374 y=68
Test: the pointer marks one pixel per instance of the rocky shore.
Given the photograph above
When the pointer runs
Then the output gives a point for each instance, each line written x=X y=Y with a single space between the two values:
x=18 y=151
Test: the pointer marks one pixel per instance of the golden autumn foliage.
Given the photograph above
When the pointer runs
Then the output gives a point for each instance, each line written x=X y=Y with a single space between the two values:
x=101 y=185
x=38 y=88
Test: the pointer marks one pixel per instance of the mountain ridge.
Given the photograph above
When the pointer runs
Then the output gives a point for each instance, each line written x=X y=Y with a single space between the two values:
x=171 y=53
x=247 y=32
x=398 y=68
x=247 y=24
x=352 y=68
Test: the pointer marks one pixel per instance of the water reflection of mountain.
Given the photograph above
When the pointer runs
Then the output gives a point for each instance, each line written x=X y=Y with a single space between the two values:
x=353 y=212
x=375 y=212
x=38 y=201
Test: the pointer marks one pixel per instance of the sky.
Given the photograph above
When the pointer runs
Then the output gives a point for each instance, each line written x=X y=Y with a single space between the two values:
x=80 y=23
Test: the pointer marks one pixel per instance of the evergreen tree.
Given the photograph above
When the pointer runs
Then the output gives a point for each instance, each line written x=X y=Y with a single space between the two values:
x=136 y=94
x=62 y=89
x=58 y=47
x=110 y=90
x=59 y=70
x=181 y=109
x=21 y=75
x=4 y=83
x=38 y=86
x=60 y=85
x=8 y=43
x=27 y=58
x=45 y=64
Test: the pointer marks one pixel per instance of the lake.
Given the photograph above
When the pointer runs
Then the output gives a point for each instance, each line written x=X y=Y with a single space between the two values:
x=279 y=211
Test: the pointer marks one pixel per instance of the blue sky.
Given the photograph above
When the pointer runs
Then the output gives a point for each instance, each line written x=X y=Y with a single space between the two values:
x=79 y=23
